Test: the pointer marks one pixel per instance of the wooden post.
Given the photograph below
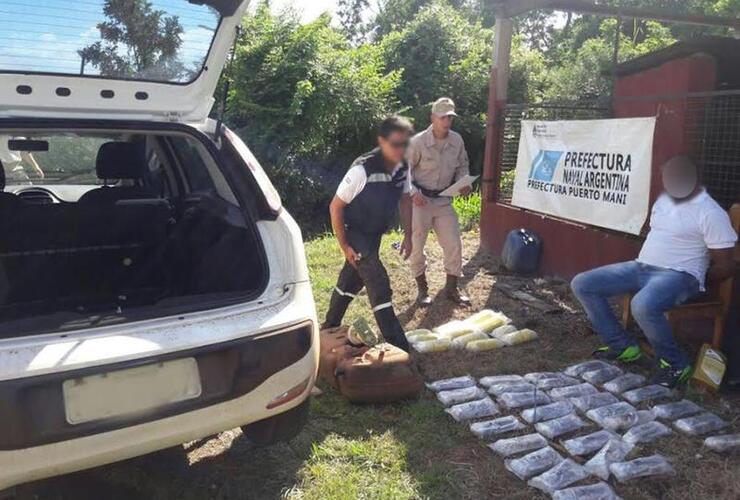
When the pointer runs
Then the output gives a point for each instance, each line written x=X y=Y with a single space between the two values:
x=497 y=94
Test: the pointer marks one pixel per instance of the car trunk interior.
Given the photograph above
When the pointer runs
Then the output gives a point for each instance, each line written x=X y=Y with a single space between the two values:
x=107 y=227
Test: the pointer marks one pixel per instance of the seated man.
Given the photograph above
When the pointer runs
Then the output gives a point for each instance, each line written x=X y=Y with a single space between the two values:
x=688 y=230
x=364 y=208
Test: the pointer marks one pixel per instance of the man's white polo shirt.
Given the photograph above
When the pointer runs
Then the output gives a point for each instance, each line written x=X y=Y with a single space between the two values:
x=682 y=233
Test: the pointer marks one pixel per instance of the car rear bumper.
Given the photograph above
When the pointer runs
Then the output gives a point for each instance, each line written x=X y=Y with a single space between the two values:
x=59 y=448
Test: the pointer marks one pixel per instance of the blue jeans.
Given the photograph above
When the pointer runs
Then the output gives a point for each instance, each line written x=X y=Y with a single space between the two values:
x=656 y=291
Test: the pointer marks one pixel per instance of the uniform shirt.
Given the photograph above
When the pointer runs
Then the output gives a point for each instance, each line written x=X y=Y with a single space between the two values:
x=354 y=182
x=681 y=234
x=436 y=165
x=12 y=162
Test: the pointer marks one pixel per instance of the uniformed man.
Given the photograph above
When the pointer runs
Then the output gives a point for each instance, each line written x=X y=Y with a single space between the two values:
x=363 y=209
x=437 y=159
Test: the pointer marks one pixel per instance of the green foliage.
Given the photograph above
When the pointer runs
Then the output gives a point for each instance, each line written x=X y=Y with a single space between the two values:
x=304 y=91
x=468 y=210
x=584 y=73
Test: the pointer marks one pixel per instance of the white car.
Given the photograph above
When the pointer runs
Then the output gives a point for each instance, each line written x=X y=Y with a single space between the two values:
x=153 y=291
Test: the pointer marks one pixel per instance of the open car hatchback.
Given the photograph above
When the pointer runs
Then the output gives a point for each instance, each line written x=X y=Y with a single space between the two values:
x=152 y=288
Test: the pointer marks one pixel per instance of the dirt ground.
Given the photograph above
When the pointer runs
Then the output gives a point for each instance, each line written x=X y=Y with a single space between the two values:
x=226 y=466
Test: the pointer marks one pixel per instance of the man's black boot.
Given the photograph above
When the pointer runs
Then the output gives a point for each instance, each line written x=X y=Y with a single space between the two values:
x=423 y=299
x=391 y=329
x=337 y=307
x=453 y=292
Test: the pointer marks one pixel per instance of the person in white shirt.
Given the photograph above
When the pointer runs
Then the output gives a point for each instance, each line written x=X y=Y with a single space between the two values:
x=20 y=166
x=691 y=240
x=369 y=198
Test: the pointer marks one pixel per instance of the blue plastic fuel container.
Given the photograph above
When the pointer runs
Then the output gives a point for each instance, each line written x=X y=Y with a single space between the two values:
x=522 y=251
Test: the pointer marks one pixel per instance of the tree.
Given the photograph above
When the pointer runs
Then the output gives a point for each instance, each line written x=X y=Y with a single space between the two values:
x=350 y=14
x=311 y=92
x=137 y=41
x=581 y=75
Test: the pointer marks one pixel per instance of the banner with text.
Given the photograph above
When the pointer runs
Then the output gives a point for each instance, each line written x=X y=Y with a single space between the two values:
x=591 y=171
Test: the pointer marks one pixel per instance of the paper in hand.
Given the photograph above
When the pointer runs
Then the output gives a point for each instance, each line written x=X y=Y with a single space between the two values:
x=454 y=190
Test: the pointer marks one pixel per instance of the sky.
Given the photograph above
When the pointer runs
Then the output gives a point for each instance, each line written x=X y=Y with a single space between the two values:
x=45 y=35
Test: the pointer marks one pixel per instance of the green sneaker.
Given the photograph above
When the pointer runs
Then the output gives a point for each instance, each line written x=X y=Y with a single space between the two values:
x=629 y=355
x=670 y=377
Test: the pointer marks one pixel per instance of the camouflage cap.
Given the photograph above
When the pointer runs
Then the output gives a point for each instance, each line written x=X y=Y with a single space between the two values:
x=444 y=106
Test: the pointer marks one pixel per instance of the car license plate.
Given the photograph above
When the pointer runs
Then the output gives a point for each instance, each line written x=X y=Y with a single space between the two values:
x=131 y=391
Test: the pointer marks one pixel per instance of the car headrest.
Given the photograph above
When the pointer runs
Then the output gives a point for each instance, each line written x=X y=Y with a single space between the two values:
x=121 y=160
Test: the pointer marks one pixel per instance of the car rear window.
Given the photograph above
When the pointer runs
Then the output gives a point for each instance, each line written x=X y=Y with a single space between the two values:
x=155 y=40
x=67 y=159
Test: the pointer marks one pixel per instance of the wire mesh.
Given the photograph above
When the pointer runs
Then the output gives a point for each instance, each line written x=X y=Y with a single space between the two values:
x=512 y=128
x=713 y=128
x=711 y=132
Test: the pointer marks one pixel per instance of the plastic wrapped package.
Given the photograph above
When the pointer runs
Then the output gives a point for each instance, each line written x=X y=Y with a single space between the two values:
x=585 y=445
x=602 y=375
x=499 y=332
x=646 y=433
x=500 y=379
x=591 y=401
x=528 y=399
x=421 y=332
x=473 y=409
x=516 y=386
x=563 y=474
x=463 y=340
x=454 y=329
x=676 y=410
x=598 y=491
x=491 y=428
x=647 y=393
x=439 y=345
x=700 y=424
x=654 y=465
x=449 y=384
x=487 y=320
x=533 y=463
x=537 y=376
x=572 y=391
x=614 y=417
x=484 y=345
x=519 y=444
x=457 y=396
x=423 y=338
x=519 y=337
x=559 y=426
x=547 y=412
x=624 y=383
x=724 y=443
x=587 y=366
x=615 y=450
x=644 y=416
x=555 y=382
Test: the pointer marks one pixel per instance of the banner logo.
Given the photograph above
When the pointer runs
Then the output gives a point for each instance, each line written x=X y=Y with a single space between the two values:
x=544 y=165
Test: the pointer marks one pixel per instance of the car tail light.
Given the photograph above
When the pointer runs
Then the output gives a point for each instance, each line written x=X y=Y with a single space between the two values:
x=288 y=395
x=272 y=197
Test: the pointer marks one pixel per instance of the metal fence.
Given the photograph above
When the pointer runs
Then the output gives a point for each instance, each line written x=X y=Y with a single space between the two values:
x=513 y=116
x=714 y=130
x=711 y=132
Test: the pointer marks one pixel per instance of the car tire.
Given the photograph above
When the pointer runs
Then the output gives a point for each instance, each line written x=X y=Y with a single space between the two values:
x=279 y=428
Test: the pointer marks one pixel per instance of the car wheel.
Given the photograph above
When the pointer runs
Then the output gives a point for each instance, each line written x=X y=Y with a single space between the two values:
x=280 y=428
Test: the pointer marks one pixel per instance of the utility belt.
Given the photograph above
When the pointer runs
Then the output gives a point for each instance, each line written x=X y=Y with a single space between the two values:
x=429 y=193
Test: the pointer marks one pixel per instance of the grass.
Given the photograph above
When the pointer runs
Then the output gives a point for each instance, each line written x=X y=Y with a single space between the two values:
x=409 y=450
